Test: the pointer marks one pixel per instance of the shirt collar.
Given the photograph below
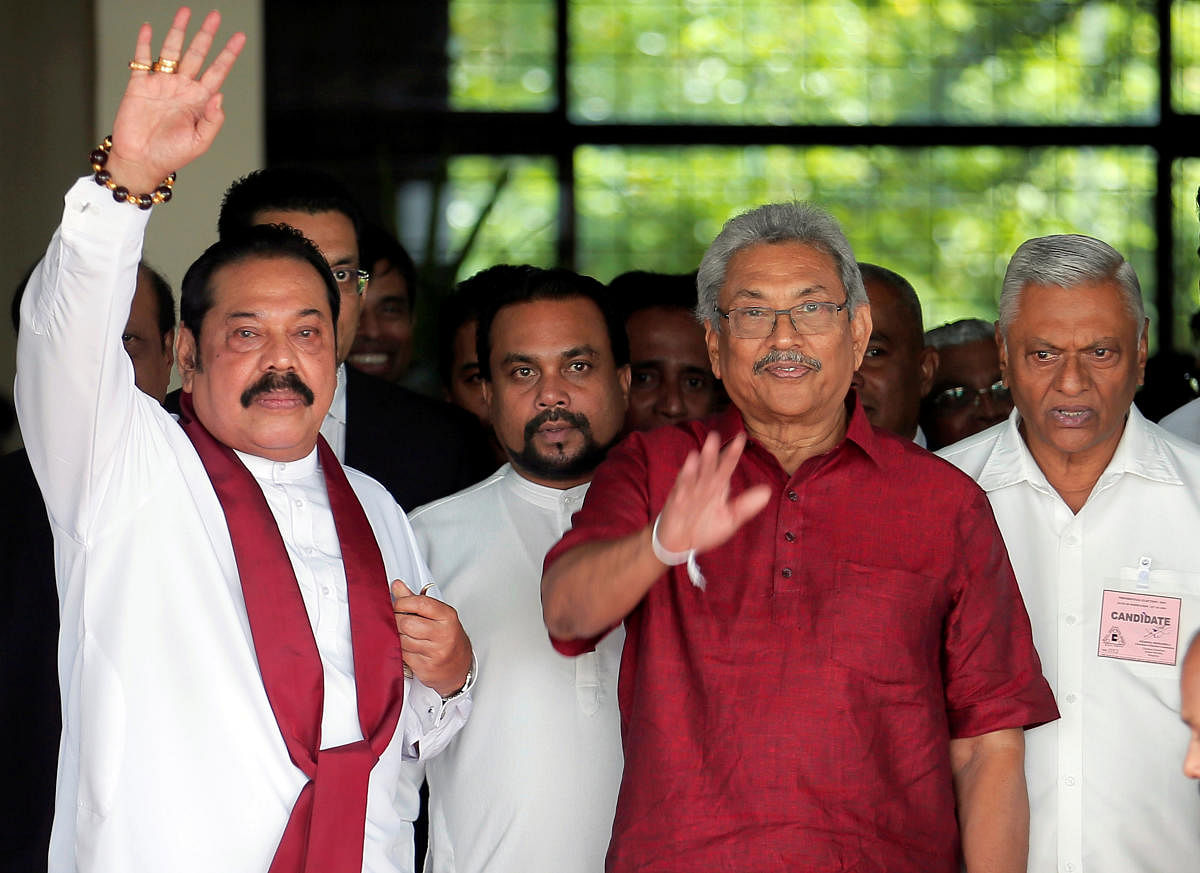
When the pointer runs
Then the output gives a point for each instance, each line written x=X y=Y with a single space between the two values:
x=337 y=409
x=279 y=472
x=729 y=424
x=1140 y=452
x=542 y=495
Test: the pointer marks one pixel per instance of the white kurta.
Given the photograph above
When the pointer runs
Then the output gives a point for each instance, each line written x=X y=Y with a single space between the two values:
x=1106 y=789
x=170 y=757
x=530 y=785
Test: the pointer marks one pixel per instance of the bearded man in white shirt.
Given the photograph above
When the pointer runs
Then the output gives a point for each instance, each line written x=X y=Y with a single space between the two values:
x=1099 y=509
x=530 y=786
x=233 y=688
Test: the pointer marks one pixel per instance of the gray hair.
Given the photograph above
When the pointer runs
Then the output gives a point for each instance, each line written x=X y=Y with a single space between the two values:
x=959 y=333
x=1067 y=260
x=776 y=223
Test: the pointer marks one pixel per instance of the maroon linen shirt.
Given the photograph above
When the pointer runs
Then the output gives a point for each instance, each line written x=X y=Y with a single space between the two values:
x=797 y=714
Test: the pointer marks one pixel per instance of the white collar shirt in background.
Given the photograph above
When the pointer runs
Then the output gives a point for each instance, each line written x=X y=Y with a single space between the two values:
x=333 y=428
x=1184 y=421
x=1106 y=788
x=171 y=758
x=530 y=784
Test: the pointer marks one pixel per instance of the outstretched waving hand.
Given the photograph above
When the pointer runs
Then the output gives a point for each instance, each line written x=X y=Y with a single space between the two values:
x=699 y=514
x=168 y=119
x=595 y=585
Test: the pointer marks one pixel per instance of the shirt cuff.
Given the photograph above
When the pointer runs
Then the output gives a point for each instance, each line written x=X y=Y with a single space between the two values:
x=86 y=202
x=472 y=675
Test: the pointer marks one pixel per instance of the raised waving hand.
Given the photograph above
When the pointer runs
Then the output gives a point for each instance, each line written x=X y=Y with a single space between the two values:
x=167 y=118
x=699 y=514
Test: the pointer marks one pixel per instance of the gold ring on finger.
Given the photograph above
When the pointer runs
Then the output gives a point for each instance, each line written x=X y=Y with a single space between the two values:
x=162 y=65
x=140 y=67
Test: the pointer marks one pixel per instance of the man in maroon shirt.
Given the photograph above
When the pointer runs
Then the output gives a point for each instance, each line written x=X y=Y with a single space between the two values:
x=827 y=663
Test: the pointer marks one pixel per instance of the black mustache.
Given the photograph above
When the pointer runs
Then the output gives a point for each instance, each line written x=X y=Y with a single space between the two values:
x=554 y=414
x=278 y=382
x=790 y=356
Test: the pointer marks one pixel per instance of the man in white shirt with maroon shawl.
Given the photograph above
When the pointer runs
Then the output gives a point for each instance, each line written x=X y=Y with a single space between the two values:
x=233 y=685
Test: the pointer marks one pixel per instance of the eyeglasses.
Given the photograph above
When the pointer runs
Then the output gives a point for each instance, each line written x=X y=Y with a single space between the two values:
x=808 y=319
x=344 y=275
x=960 y=397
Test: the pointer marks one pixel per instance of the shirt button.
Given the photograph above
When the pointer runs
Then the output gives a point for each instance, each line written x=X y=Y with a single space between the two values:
x=1070 y=781
x=1069 y=867
x=299 y=502
x=790 y=537
x=1070 y=619
x=792 y=495
x=1072 y=540
x=325 y=590
x=787 y=573
x=1071 y=698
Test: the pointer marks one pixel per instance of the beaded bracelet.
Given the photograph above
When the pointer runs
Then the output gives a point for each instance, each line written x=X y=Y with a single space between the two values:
x=120 y=193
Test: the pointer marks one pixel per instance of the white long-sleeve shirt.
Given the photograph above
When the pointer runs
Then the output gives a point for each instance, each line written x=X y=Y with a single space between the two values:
x=171 y=758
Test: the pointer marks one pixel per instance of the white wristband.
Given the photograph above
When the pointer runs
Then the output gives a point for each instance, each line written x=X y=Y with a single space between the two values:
x=671 y=559
x=674 y=559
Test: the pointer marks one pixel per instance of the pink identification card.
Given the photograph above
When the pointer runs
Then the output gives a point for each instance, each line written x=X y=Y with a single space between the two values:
x=1139 y=627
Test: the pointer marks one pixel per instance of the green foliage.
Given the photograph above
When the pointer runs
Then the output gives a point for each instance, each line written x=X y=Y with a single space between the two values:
x=520 y=228
x=946 y=217
x=1187 y=236
x=847 y=62
x=502 y=54
x=1185 y=56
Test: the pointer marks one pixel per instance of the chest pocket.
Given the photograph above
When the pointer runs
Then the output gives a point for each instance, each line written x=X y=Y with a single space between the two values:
x=1166 y=583
x=882 y=622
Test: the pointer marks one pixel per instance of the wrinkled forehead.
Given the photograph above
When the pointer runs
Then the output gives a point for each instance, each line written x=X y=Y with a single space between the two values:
x=1091 y=304
x=281 y=278
x=786 y=270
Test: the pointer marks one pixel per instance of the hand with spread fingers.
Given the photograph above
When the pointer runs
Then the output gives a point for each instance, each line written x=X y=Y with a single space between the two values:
x=699 y=514
x=171 y=110
x=436 y=648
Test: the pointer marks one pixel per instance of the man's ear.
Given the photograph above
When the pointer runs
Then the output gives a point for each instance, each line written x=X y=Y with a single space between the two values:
x=486 y=385
x=1143 y=350
x=624 y=377
x=168 y=341
x=929 y=365
x=712 y=339
x=1002 y=351
x=187 y=356
x=860 y=332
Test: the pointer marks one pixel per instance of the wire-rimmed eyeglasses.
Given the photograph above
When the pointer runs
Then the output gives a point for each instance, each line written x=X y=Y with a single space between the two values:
x=808 y=319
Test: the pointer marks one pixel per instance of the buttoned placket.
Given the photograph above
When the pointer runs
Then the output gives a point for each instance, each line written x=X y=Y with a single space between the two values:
x=587 y=666
x=297 y=499
x=788 y=541
x=1072 y=649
